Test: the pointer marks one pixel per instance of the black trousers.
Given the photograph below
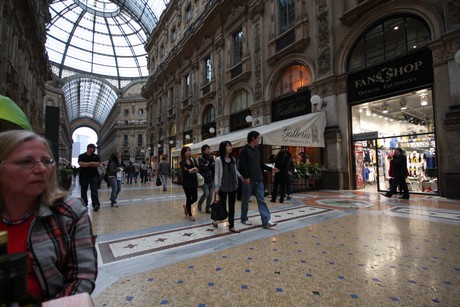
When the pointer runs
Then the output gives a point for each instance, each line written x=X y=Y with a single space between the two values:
x=401 y=182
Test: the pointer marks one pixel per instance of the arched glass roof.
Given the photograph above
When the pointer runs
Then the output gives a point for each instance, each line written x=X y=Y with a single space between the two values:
x=100 y=39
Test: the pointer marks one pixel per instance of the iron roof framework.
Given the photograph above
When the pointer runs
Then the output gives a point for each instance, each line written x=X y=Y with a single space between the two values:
x=90 y=40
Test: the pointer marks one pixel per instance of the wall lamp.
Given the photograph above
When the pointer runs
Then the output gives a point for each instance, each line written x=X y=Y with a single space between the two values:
x=457 y=57
x=159 y=145
x=212 y=130
x=171 y=142
x=317 y=103
x=187 y=137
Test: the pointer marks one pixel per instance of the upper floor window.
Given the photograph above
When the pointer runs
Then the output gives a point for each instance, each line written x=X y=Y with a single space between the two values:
x=188 y=12
x=186 y=86
x=160 y=106
x=125 y=140
x=237 y=47
x=171 y=97
x=388 y=39
x=209 y=115
x=207 y=70
x=286 y=15
x=241 y=101
x=173 y=34
x=291 y=80
x=140 y=111
x=140 y=140
x=126 y=112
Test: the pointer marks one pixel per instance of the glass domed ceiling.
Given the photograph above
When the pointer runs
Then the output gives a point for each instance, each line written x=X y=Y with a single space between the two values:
x=103 y=39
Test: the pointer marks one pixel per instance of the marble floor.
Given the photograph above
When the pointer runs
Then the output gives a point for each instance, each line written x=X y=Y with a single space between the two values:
x=330 y=248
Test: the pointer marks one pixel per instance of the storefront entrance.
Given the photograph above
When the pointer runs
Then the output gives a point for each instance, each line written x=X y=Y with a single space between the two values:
x=380 y=126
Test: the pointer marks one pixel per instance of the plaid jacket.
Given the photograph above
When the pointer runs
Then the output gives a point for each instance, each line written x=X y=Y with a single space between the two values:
x=61 y=247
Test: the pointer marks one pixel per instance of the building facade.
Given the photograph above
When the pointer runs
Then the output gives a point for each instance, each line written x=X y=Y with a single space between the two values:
x=385 y=72
x=24 y=65
x=125 y=129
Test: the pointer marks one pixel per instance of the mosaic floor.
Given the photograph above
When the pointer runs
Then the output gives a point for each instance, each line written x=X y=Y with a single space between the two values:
x=330 y=248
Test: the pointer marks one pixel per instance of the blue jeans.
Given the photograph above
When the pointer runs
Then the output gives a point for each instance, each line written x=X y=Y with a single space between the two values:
x=208 y=189
x=116 y=188
x=258 y=188
x=93 y=183
x=164 y=181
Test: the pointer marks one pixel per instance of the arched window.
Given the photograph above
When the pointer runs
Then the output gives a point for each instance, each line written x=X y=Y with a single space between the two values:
x=241 y=101
x=292 y=79
x=388 y=39
x=209 y=115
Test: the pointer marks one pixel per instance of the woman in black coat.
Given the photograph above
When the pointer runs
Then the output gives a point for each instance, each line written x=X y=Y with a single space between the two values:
x=189 y=181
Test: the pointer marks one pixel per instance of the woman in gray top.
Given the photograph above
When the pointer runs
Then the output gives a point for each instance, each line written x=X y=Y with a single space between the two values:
x=226 y=181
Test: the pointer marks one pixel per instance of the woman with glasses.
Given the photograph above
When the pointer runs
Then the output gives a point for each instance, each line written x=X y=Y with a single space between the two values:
x=42 y=220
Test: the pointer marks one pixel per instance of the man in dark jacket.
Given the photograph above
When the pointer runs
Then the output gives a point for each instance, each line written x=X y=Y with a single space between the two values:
x=89 y=175
x=399 y=165
x=206 y=167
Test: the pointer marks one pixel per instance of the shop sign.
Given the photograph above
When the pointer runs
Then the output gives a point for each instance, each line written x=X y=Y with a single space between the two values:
x=366 y=136
x=291 y=106
x=410 y=71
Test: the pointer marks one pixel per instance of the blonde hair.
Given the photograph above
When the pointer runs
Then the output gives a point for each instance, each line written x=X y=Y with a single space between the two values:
x=9 y=140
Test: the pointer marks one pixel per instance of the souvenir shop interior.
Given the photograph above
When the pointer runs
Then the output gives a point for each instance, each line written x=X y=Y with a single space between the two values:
x=380 y=126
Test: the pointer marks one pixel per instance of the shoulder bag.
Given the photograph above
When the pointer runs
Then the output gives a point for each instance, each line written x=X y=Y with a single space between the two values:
x=218 y=210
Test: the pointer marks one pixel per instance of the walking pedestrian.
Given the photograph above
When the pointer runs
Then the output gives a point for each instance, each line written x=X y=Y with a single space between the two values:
x=251 y=168
x=281 y=177
x=114 y=174
x=89 y=175
x=226 y=182
x=189 y=181
x=164 y=171
x=399 y=166
x=130 y=171
x=206 y=168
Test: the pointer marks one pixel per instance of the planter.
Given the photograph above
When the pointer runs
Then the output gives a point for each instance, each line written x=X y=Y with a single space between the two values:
x=306 y=184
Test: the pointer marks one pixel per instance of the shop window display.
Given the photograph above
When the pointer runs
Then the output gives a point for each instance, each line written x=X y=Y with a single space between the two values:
x=404 y=121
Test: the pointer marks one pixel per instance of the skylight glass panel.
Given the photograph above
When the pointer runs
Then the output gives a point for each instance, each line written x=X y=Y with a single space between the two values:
x=80 y=42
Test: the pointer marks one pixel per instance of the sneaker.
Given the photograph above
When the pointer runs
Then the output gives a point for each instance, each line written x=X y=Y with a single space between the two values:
x=96 y=208
x=270 y=224
x=289 y=197
x=246 y=222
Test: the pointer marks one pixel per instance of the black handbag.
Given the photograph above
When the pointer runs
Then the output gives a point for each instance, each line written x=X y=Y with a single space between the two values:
x=218 y=210
x=158 y=183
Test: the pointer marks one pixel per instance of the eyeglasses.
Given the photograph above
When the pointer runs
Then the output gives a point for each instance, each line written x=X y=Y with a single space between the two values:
x=30 y=164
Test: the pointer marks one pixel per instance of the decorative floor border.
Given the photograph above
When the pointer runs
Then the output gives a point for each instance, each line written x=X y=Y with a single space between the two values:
x=134 y=246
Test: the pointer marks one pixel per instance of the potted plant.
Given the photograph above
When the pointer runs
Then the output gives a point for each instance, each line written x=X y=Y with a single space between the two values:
x=65 y=178
x=307 y=176
x=176 y=175
x=315 y=169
